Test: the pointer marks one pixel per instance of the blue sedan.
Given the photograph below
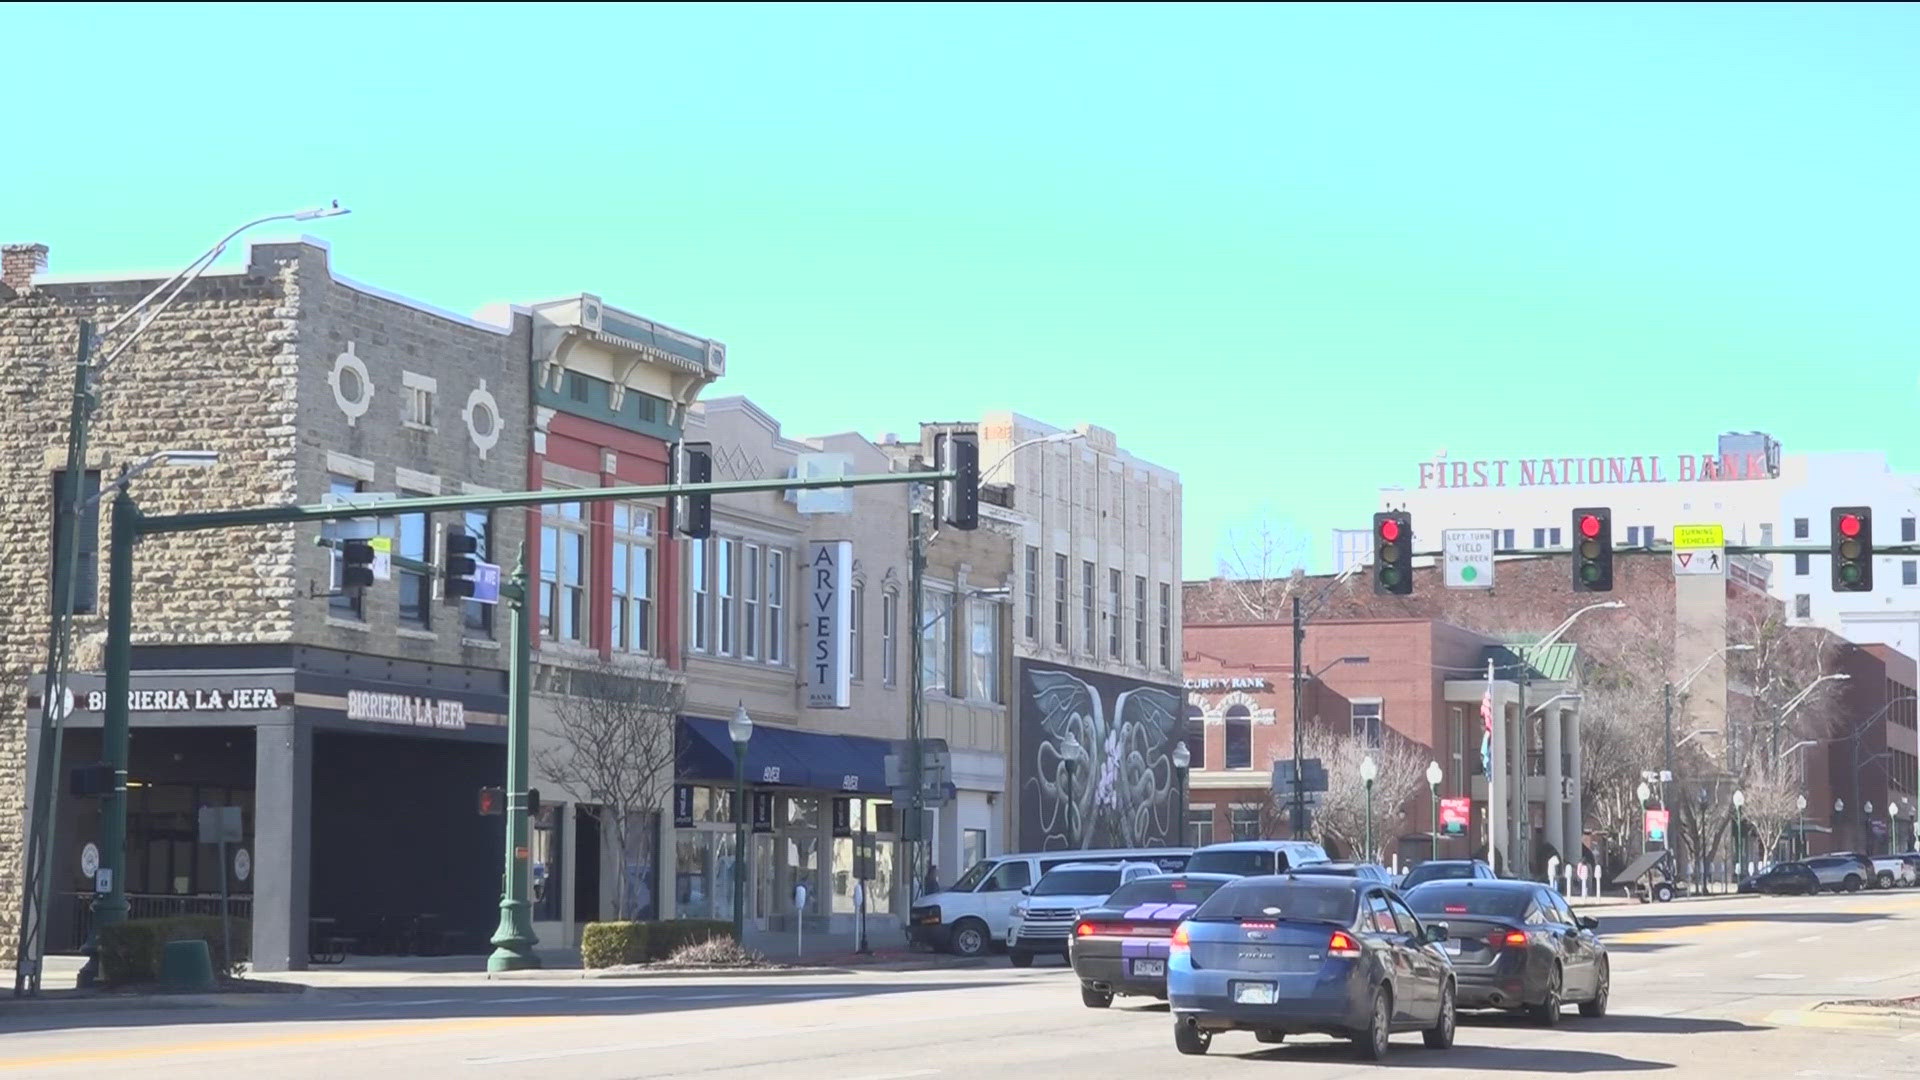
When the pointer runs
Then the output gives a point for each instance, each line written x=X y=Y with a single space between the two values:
x=1299 y=953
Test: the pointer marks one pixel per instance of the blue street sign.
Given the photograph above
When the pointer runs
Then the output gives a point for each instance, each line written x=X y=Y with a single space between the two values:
x=486 y=582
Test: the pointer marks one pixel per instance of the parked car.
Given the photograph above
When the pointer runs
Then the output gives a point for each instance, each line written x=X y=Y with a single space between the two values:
x=1248 y=858
x=1120 y=946
x=1447 y=869
x=1287 y=955
x=1783 y=878
x=973 y=914
x=1843 y=872
x=1895 y=871
x=1517 y=945
x=1043 y=920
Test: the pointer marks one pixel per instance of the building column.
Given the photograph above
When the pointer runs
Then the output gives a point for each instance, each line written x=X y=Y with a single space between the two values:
x=282 y=839
x=1517 y=801
x=1556 y=821
x=1498 y=795
x=1576 y=820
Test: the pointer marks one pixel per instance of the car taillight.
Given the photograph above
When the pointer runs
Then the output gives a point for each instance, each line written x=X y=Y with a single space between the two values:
x=1508 y=939
x=1084 y=929
x=1343 y=945
x=1180 y=939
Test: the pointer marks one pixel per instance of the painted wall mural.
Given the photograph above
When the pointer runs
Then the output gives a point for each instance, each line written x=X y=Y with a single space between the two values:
x=1096 y=766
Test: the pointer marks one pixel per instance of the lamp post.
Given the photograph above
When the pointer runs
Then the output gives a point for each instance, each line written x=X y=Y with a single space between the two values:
x=1182 y=757
x=37 y=891
x=1800 y=804
x=1070 y=752
x=1433 y=789
x=513 y=939
x=1643 y=793
x=1368 y=770
x=1773 y=744
x=1739 y=837
x=1673 y=690
x=741 y=728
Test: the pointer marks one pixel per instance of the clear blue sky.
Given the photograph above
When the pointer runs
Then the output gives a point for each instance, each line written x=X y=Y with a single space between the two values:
x=1288 y=251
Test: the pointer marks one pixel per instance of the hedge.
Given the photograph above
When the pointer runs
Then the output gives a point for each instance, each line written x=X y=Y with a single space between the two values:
x=605 y=944
x=130 y=951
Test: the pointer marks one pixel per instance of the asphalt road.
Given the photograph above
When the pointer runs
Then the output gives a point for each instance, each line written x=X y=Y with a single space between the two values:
x=1713 y=988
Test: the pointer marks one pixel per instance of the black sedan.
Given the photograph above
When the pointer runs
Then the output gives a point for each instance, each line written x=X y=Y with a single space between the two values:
x=1120 y=947
x=1517 y=945
x=1373 y=872
x=1782 y=878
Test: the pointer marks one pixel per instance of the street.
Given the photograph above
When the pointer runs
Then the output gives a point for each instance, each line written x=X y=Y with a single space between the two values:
x=1719 y=987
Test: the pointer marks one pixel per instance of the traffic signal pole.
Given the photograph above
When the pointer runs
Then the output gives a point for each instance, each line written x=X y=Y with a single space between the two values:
x=514 y=940
x=129 y=526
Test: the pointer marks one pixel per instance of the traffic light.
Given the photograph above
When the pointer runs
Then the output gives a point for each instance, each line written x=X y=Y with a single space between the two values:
x=461 y=562
x=1593 y=549
x=356 y=564
x=1393 y=553
x=957 y=501
x=493 y=801
x=1851 y=539
x=699 y=523
x=533 y=804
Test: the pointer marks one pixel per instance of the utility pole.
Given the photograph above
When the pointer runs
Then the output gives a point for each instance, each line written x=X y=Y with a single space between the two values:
x=1667 y=773
x=1299 y=733
x=916 y=707
x=44 y=818
x=514 y=940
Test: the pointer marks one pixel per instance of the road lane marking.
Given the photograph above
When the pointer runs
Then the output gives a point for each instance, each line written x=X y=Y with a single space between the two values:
x=709 y=997
x=1688 y=975
x=1748 y=955
x=396 y=1004
x=404 y=1030
x=897 y=1075
x=522 y=1000
x=1809 y=937
x=1779 y=976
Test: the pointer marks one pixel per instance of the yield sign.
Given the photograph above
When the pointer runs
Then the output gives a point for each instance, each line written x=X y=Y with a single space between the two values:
x=1700 y=561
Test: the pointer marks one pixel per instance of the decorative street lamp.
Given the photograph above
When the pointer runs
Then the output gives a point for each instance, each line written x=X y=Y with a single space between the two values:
x=1368 y=770
x=1800 y=803
x=1182 y=757
x=1070 y=752
x=1739 y=838
x=741 y=728
x=1433 y=789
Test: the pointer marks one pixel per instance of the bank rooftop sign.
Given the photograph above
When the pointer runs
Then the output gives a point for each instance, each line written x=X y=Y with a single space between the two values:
x=1571 y=471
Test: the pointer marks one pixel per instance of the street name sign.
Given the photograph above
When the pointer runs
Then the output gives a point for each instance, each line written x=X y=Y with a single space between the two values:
x=1469 y=557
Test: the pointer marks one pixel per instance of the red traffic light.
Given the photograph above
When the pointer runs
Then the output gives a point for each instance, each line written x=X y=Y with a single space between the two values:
x=1589 y=526
x=1849 y=525
x=1389 y=530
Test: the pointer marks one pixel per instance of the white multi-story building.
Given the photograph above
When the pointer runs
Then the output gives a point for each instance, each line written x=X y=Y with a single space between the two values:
x=1758 y=494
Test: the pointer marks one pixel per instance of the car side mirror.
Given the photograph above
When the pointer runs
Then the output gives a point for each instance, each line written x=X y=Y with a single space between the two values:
x=1437 y=932
x=1588 y=922
x=1028 y=891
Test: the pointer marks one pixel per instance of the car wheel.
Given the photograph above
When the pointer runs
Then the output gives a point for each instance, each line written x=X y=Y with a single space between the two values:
x=1886 y=879
x=1189 y=1039
x=1852 y=884
x=969 y=938
x=1440 y=1035
x=1372 y=1042
x=1547 y=1012
x=1662 y=893
x=1597 y=1007
x=1271 y=1038
x=1020 y=957
x=1095 y=999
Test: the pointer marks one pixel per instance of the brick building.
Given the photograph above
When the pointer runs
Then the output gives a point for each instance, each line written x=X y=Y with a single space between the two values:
x=351 y=730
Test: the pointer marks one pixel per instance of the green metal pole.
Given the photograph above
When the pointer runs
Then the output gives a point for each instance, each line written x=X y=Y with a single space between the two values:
x=43 y=825
x=1369 y=821
x=110 y=904
x=514 y=941
x=916 y=695
x=740 y=842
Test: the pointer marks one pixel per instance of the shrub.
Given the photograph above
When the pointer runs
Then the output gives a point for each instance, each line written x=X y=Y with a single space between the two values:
x=606 y=944
x=716 y=952
x=130 y=951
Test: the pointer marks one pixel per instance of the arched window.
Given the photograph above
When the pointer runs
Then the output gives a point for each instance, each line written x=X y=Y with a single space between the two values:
x=1196 y=738
x=1239 y=738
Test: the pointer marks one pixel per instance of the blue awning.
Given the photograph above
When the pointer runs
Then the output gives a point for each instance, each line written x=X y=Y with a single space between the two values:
x=784 y=757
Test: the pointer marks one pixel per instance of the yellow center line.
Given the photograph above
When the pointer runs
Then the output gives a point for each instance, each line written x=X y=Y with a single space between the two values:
x=400 y=1030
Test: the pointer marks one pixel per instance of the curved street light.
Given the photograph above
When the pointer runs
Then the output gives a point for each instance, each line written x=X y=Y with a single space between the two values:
x=1368 y=771
x=741 y=729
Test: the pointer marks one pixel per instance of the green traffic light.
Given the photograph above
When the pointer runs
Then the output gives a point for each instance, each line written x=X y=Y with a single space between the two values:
x=1390 y=575
x=1589 y=573
x=1849 y=573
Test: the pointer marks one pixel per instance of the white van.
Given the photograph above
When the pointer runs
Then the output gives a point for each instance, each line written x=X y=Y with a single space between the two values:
x=1253 y=858
x=1043 y=920
x=973 y=914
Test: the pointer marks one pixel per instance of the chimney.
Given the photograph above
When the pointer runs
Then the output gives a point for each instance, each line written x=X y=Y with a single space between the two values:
x=18 y=264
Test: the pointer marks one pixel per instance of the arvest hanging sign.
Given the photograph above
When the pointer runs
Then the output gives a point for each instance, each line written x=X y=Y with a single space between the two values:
x=829 y=599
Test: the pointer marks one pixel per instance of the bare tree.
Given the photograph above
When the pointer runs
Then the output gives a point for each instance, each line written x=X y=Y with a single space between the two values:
x=1772 y=805
x=1260 y=569
x=1342 y=815
x=614 y=748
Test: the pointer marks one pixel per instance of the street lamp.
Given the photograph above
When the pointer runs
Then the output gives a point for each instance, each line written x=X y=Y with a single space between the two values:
x=1800 y=804
x=1056 y=437
x=1368 y=770
x=1739 y=837
x=1433 y=789
x=741 y=728
x=1773 y=744
x=1182 y=757
x=1070 y=753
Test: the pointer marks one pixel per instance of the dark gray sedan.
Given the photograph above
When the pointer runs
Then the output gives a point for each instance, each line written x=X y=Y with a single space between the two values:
x=1517 y=945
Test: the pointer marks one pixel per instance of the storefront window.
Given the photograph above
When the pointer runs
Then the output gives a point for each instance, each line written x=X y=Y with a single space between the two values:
x=549 y=862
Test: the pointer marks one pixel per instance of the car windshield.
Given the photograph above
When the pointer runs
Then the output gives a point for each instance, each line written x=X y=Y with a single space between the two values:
x=1240 y=863
x=1467 y=900
x=1437 y=872
x=1163 y=891
x=971 y=880
x=1078 y=883
x=1284 y=900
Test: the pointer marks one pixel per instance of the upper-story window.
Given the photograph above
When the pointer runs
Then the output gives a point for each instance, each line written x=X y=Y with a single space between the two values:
x=857 y=632
x=983 y=650
x=1090 y=628
x=348 y=604
x=776 y=607
x=1140 y=619
x=563 y=571
x=476 y=617
x=750 y=602
x=1115 y=619
x=726 y=583
x=699 y=583
x=936 y=646
x=1060 y=601
x=1166 y=625
x=1033 y=593
x=890 y=637
x=632 y=578
x=416 y=586
x=1239 y=737
x=1367 y=719
x=417 y=392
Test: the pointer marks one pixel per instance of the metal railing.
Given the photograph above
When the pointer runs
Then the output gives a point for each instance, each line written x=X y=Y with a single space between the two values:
x=152 y=906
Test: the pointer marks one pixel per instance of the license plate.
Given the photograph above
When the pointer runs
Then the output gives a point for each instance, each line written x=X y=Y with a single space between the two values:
x=1150 y=967
x=1253 y=994
x=1453 y=947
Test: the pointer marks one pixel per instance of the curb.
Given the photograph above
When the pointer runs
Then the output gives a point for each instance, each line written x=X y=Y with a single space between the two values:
x=1844 y=1020
x=116 y=1002
x=713 y=973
